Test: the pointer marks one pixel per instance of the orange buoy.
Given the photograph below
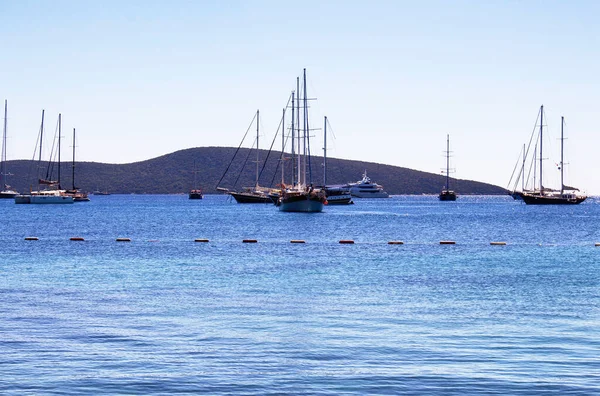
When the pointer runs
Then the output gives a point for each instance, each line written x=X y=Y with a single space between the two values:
x=200 y=240
x=31 y=238
x=497 y=243
x=249 y=241
x=297 y=241
x=447 y=243
x=123 y=240
x=76 y=239
x=395 y=243
x=347 y=242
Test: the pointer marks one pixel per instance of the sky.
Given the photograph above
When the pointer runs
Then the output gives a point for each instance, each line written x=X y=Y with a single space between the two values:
x=140 y=79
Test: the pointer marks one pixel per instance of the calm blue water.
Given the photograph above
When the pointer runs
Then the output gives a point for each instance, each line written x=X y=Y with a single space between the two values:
x=165 y=315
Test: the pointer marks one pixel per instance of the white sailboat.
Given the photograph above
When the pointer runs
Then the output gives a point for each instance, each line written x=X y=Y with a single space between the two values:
x=6 y=192
x=53 y=194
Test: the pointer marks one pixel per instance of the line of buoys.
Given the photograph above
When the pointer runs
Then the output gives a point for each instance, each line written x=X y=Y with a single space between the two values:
x=249 y=241
x=200 y=240
x=498 y=243
x=76 y=239
x=447 y=243
x=297 y=241
x=123 y=239
x=347 y=242
x=31 y=238
x=395 y=243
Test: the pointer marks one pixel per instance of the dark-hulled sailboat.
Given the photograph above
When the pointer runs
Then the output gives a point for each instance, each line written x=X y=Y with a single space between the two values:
x=447 y=194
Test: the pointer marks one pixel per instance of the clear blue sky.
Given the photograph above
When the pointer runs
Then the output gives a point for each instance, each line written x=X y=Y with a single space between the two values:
x=139 y=79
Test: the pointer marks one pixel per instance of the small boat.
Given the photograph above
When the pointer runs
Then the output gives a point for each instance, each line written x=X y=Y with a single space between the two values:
x=98 y=192
x=195 y=193
x=546 y=196
x=447 y=194
x=301 y=196
x=365 y=188
x=6 y=192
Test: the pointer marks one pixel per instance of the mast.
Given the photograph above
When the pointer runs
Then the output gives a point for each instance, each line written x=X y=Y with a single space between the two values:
x=300 y=181
x=293 y=152
x=325 y=152
x=447 y=162
x=562 y=144
x=257 y=153
x=73 y=166
x=523 y=171
x=59 y=125
x=306 y=135
x=282 y=147
x=3 y=159
x=541 y=143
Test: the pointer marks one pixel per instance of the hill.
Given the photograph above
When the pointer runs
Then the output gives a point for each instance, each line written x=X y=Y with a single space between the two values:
x=174 y=173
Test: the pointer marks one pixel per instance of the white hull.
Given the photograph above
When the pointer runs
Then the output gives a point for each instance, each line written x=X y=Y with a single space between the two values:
x=368 y=194
x=44 y=198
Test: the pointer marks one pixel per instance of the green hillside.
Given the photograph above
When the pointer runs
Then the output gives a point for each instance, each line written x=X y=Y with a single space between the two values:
x=174 y=173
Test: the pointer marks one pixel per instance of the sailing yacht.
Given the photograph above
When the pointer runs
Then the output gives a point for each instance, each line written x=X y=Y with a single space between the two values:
x=547 y=196
x=195 y=193
x=301 y=196
x=336 y=194
x=447 y=194
x=6 y=191
x=254 y=194
x=54 y=194
x=75 y=192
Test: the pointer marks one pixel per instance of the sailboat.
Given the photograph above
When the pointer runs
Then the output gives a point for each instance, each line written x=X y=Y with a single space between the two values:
x=447 y=194
x=301 y=196
x=195 y=193
x=75 y=192
x=336 y=194
x=546 y=196
x=6 y=189
x=54 y=195
x=254 y=194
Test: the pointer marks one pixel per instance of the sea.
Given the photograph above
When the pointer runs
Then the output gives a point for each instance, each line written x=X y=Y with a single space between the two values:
x=163 y=314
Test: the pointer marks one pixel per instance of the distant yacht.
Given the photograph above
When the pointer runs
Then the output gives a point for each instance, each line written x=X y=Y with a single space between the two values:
x=195 y=193
x=365 y=188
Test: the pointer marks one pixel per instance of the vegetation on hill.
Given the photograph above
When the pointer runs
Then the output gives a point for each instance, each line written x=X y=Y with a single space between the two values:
x=174 y=173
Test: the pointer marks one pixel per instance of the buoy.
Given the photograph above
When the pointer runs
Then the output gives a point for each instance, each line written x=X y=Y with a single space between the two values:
x=347 y=242
x=597 y=244
x=200 y=240
x=447 y=243
x=249 y=241
x=123 y=240
x=31 y=238
x=297 y=241
x=497 y=243
x=395 y=243
x=77 y=239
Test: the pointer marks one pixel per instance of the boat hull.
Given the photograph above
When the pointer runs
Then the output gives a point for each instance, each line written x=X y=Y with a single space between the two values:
x=22 y=199
x=369 y=194
x=306 y=203
x=195 y=195
x=8 y=194
x=251 y=198
x=531 y=199
x=447 y=196
x=50 y=199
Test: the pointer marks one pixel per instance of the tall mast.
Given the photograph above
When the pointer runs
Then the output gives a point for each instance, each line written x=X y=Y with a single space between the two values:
x=523 y=171
x=293 y=152
x=447 y=162
x=3 y=159
x=325 y=152
x=300 y=181
x=59 y=126
x=73 y=166
x=282 y=147
x=306 y=135
x=562 y=164
x=541 y=142
x=257 y=153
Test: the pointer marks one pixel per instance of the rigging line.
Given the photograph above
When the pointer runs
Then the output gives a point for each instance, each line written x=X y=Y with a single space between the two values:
x=236 y=151
x=50 y=169
x=280 y=126
x=533 y=133
x=281 y=155
x=514 y=170
x=243 y=167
